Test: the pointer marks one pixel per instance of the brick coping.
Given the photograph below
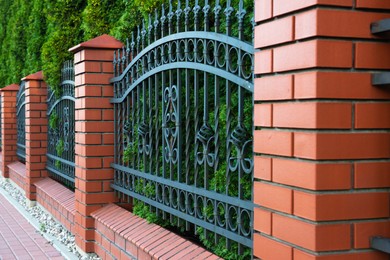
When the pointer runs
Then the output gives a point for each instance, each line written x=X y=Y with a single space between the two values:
x=17 y=173
x=142 y=239
x=58 y=201
x=60 y=194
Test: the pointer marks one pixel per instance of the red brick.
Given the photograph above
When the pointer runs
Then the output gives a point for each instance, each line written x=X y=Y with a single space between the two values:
x=341 y=145
x=372 y=175
x=274 y=32
x=262 y=115
x=339 y=85
x=96 y=127
x=107 y=67
x=89 y=162
x=286 y=6
x=327 y=237
x=312 y=115
x=377 y=4
x=263 y=61
x=88 y=139
x=262 y=221
x=108 y=138
x=87 y=66
x=325 y=207
x=309 y=175
x=94 y=174
x=312 y=54
x=370 y=55
x=94 y=198
x=262 y=168
x=273 y=197
x=89 y=186
x=300 y=255
x=90 y=114
x=364 y=231
x=372 y=115
x=273 y=142
x=263 y=10
x=108 y=115
x=337 y=23
x=266 y=248
x=274 y=88
x=93 y=103
x=88 y=91
x=97 y=54
x=94 y=151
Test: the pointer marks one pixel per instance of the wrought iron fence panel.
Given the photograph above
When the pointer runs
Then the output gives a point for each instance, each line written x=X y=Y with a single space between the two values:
x=61 y=128
x=21 y=122
x=183 y=104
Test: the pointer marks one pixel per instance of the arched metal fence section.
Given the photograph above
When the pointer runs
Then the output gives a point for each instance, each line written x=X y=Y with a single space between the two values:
x=61 y=131
x=21 y=122
x=183 y=100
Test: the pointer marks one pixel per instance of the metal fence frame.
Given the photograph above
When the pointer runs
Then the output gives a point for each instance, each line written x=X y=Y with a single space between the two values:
x=155 y=71
x=21 y=122
x=61 y=125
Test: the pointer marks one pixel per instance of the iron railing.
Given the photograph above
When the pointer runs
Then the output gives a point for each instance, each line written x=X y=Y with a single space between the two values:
x=21 y=122
x=183 y=101
x=61 y=123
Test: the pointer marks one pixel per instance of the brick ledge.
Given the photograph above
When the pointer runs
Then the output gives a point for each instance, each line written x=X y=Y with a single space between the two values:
x=58 y=201
x=17 y=173
x=129 y=234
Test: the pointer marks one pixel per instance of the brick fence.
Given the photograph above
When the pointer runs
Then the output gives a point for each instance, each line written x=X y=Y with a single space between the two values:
x=321 y=140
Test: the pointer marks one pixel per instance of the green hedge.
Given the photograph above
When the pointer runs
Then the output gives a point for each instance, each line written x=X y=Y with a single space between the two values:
x=36 y=34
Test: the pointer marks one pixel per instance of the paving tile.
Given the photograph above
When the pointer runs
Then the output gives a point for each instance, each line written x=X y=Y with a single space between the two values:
x=20 y=240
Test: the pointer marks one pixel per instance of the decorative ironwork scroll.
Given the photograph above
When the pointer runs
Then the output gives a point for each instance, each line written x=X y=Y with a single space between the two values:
x=21 y=123
x=61 y=122
x=183 y=100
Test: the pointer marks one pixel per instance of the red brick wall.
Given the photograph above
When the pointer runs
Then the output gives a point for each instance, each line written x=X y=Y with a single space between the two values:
x=94 y=126
x=8 y=127
x=36 y=131
x=322 y=139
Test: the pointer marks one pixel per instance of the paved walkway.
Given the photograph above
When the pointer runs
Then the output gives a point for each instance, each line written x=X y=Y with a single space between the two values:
x=19 y=239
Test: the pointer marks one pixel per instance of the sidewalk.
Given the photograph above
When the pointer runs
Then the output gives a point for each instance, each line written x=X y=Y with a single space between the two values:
x=19 y=239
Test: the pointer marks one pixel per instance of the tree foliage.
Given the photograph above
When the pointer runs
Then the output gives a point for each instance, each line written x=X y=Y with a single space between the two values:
x=36 y=34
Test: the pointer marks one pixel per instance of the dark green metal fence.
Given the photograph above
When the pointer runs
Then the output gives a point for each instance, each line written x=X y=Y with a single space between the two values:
x=21 y=122
x=61 y=132
x=183 y=88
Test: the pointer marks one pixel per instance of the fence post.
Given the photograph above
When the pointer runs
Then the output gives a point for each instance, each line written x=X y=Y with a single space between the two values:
x=94 y=137
x=322 y=138
x=36 y=131
x=8 y=127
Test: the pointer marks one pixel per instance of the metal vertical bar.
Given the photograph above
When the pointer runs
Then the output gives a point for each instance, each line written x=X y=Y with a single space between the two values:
x=164 y=123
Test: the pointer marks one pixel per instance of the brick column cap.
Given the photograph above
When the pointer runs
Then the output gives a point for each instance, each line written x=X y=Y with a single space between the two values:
x=101 y=42
x=12 y=87
x=35 y=76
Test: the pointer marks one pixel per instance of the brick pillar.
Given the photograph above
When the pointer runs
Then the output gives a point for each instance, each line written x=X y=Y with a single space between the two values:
x=36 y=131
x=322 y=144
x=8 y=127
x=94 y=132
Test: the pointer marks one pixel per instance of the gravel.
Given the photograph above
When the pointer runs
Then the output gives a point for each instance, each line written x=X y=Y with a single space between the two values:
x=47 y=223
